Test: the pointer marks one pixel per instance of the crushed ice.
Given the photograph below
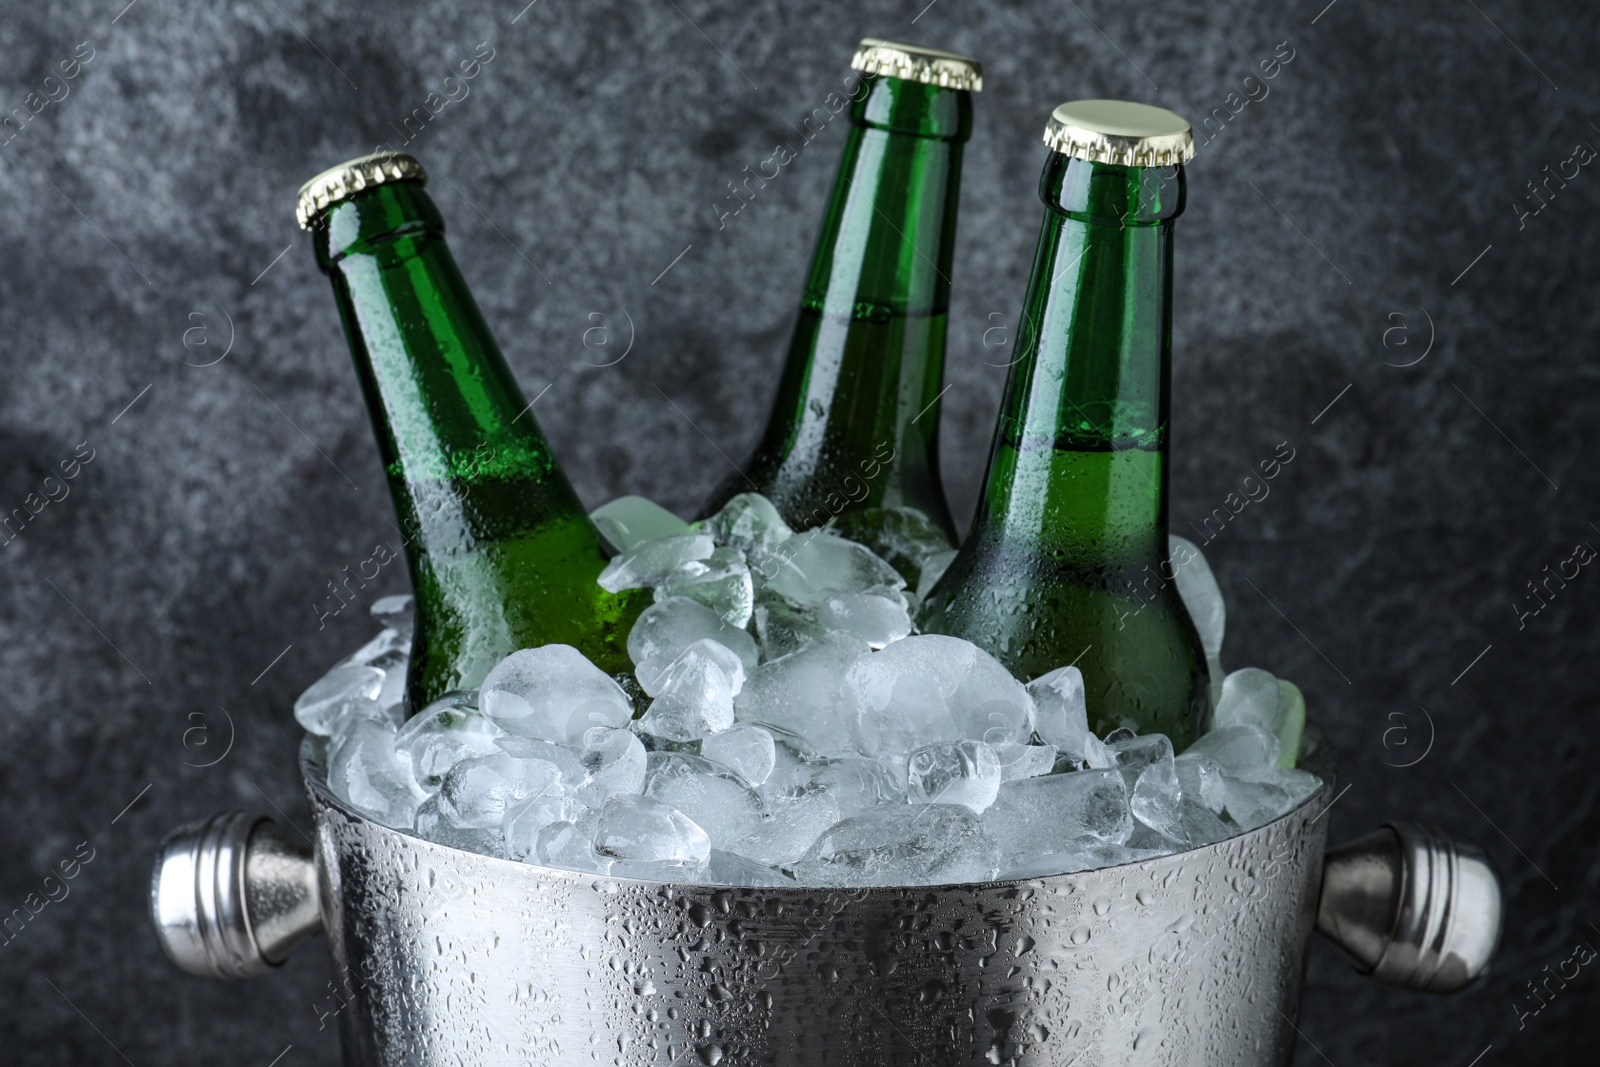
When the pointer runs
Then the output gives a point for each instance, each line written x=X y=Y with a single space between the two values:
x=796 y=732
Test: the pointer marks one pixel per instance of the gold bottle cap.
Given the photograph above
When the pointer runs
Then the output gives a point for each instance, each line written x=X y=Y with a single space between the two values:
x=948 y=70
x=347 y=179
x=1118 y=131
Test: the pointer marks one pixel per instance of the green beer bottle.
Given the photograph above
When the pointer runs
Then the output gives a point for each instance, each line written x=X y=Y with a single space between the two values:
x=1067 y=558
x=501 y=552
x=853 y=434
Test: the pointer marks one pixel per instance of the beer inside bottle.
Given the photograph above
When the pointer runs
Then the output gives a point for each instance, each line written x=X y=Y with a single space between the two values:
x=1067 y=558
x=501 y=552
x=853 y=434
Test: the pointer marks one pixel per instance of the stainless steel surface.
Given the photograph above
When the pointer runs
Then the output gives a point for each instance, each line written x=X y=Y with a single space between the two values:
x=448 y=957
x=231 y=896
x=444 y=956
x=1412 y=908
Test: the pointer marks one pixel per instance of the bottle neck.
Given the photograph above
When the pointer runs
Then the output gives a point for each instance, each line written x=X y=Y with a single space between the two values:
x=445 y=407
x=1078 y=464
x=861 y=385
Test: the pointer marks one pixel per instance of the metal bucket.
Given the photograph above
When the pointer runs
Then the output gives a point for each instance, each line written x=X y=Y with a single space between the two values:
x=447 y=957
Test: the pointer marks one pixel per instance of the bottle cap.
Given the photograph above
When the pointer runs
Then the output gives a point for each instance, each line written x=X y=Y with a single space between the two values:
x=1118 y=131
x=347 y=179
x=949 y=70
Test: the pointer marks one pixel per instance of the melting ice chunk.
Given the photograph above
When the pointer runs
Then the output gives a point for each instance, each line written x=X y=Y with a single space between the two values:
x=1023 y=761
x=666 y=628
x=694 y=696
x=799 y=694
x=650 y=562
x=810 y=566
x=746 y=750
x=721 y=582
x=901 y=845
x=629 y=520
x=323 y=708
x=366 y=772
x=638 y=829
x=750 y=523
x=478 y=791
x=953 y=772
x=444 y=733
x=552 y=692
x=1034 y=818
x=877 y=620
x=1063 y=717
x=615 y=761
x=933 y=688
x=789 y=828
x=710 y=794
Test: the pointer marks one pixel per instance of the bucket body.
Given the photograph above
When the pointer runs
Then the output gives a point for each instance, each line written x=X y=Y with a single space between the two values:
x=447 y=957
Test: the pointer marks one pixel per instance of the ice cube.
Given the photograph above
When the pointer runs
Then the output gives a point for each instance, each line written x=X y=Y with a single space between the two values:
x=1050 y=815
x=1133 y=754
x=528 y=818
x=366 y=772
x=694 y=698
x=933 y=688
x=789 y=828
x=630 y=520
x=1291 y=722
x=1269 y=794
x=432 y=825
x=570 y=845
x=389 y=649
x=721 y=582
x=638 y=829
x=552 y=692
x=393 y=611
x=749 y=523
x=1203 y=826
x=1157 y=797
x=784 y=627
x=1242 y=750
x=810 y=566
x=649 y=562
x=444 y=733
x=653 y=673
x=321 y=709
x=745 y=749
x=1198 y=589
x=799 y=694
x=566 y=758
x=877 y=620
x=1201 y=781
x=615 y=761
x=901 y=845
x=710 y=794
x=1154 y=795
x=1023 y=761
x=666 y=628
x=953 y=772
x=1248 y=696
x=855 y=782
x=903 y=537
x=478 y=791
x=730 y=868
x=1062 y=716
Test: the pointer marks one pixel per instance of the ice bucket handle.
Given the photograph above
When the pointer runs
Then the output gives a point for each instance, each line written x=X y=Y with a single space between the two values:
x=1412 y=908
x=231 y=896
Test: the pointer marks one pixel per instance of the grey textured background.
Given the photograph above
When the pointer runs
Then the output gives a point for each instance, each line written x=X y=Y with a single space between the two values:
x=141 y=613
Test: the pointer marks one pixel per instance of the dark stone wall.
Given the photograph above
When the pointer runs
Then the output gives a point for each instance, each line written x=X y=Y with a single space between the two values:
x=1361 y=274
